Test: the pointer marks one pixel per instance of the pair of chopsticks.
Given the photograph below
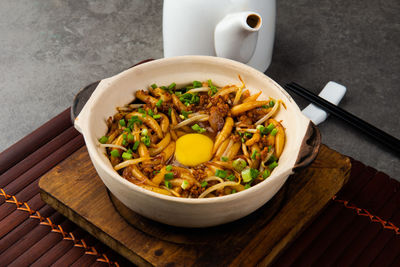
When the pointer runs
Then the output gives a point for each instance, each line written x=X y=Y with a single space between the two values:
x=389 y=141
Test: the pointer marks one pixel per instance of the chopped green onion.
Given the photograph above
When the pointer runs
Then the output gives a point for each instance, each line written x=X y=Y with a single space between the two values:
x=266 y=174
x=197 y=84
x=185 y=184
x=265 y=106
x=122 y=122
x=126 y=156
x=115 y=153
x=135 y=145
x=150 y=112
x=169 y=111
x=103 y=139
x=239 y=164
x=214 y=90
x=270 y=127
x=259 y=127
x=242 y=140
x=272 y=165
x=185 y=114
x=231 y=177
x=274 y=132
x=129 y=151
x=144 y=132
x=156 y=172
x=196 y=99
x=169 y=176
x=188 y=99
x=141 y=110
x=154 y=86
x=171 y=86
x=128 y=130
x=233 y=191
x=124 y=136
x=264 y=130
x=246 y=175
x=157 y=116
x=221 y=173
x=254 y=155
x=169 y=168
x=204 y=184
x=248 y=135
x=224 y=159
x=159 y=102
x=124 y=143
x=272 y=159
x=249 y=174
x=271 y=103
x=254 y=173
x=198 y=129
x=133 y=120
x=146 y=140
x=130 y=137
x=168 y=184
x=247 y=186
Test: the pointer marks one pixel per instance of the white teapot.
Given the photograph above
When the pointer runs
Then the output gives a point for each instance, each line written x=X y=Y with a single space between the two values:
x=242 y=30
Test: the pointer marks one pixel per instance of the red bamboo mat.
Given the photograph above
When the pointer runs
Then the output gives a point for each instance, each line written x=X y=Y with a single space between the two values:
x=360 y=226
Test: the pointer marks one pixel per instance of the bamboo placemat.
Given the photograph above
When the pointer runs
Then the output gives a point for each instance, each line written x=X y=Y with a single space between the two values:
x=360 y=226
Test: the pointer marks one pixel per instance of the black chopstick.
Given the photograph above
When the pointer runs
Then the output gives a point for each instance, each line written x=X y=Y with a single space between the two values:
x=389 y=141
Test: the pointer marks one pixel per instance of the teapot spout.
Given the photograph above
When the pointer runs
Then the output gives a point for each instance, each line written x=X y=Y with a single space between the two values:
x=235 y=36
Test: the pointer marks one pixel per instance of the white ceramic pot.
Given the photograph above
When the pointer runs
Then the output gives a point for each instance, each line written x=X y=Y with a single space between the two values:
x=120 y=90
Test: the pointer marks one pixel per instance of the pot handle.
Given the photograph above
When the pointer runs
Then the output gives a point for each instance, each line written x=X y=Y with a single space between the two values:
x=84 y=94
x=309 y=147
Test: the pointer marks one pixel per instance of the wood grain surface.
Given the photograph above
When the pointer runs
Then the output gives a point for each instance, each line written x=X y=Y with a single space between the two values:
x=75 y=190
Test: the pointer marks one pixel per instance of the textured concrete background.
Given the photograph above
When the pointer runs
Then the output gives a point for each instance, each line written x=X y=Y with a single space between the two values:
x=50 y=49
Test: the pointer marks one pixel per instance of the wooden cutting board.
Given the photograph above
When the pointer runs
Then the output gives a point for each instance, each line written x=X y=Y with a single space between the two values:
x=75 y=190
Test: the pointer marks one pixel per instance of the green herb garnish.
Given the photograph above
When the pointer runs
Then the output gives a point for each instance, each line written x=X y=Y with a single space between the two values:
x=239 y=164
x=126 y=156
x=221 y=173
x=185 y=184
x=135 y=145
x=185 y=114
x=231 y=177
x=272 y=165
x=159 y=103
x=122 y=122
x=168 y=176
x=198 y=129
x=266 y=174
x=115 y=153
x=146 y=140
x=103 y=139
x=168 y=184
x=197 y=84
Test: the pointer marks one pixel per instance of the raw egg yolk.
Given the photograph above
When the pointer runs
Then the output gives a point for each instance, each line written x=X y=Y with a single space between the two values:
x=193 y=149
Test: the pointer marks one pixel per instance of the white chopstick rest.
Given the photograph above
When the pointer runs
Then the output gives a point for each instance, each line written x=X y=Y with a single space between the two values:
x=332 y=92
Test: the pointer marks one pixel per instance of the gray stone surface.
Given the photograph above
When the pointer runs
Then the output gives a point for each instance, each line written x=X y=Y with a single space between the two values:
x=50 y=49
